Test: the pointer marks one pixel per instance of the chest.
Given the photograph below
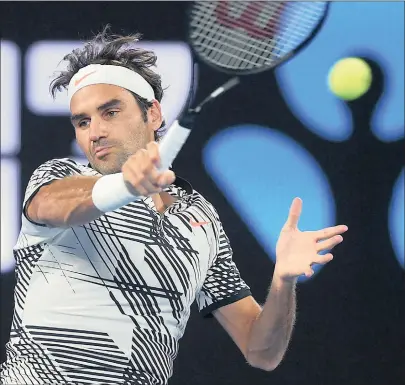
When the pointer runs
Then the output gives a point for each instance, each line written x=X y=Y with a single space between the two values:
x=167 y=252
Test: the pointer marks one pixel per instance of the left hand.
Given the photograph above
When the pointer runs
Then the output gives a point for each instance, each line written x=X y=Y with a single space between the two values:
x=297 y=250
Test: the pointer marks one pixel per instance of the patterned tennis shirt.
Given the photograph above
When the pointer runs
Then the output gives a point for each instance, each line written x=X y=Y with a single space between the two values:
x=108 y=302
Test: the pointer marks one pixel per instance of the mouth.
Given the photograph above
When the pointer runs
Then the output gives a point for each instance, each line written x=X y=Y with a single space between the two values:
x=102 y=151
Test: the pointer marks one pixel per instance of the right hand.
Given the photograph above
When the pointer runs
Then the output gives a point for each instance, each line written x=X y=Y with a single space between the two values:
x=141 y=173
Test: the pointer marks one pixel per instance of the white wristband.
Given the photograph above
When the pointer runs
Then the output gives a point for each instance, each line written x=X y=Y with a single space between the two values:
x=110 y=193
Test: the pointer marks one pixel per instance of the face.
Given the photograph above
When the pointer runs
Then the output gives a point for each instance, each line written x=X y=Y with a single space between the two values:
x=109 y=125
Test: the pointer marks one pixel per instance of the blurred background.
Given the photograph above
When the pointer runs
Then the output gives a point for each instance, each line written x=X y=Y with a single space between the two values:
x=282 y=135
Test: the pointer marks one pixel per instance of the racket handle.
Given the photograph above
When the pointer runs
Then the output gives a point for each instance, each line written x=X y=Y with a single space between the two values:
x=110 y=192
x=172 y=143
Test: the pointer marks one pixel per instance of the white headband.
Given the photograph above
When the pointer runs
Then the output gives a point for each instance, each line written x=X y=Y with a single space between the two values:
x=110 y=74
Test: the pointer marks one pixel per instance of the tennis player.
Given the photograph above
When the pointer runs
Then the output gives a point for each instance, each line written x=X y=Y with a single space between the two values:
x=104 y=297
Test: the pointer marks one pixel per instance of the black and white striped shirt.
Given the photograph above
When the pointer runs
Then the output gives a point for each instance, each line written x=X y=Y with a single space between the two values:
x=107 y=302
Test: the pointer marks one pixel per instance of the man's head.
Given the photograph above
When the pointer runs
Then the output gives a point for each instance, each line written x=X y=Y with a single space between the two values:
x=114 y=99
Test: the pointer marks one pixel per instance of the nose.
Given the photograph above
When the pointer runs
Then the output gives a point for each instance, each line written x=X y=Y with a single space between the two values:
x=97 y=130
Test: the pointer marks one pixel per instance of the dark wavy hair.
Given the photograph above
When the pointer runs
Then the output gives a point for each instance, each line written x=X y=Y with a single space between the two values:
x=107 y=48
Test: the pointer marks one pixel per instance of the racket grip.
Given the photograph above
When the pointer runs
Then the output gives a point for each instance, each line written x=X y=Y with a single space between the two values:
x=110 y=192
x=171 y=144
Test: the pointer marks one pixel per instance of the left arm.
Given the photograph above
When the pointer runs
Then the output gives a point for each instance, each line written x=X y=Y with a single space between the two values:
x=271 y=331
x=263 y=334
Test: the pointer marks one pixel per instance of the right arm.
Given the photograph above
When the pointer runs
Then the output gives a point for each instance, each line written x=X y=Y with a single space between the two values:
x=64 y=203
x=68 y=201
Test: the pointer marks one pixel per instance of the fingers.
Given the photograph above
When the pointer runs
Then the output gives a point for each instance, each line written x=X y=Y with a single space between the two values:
x=323 y=259
x=152 y=149
x=309 y=272
x=294 y=214
x=329 y=244
x=166 y=178
x=330 y=232
x=141 y=172
x=319 y=260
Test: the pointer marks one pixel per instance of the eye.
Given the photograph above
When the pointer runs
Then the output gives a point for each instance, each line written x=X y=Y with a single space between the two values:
x=83 y=123
x=111 y=113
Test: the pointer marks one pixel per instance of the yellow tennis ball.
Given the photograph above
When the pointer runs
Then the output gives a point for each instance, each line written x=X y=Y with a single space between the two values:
x=350 y=78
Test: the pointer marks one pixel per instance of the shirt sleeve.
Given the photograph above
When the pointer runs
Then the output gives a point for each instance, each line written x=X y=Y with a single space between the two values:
x=223 y=284
x=45 y=174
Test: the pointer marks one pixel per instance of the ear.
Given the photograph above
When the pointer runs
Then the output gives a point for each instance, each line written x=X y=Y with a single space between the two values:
x=155 y=117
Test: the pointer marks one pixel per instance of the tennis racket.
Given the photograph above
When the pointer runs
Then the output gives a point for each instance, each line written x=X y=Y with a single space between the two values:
x=240 y=38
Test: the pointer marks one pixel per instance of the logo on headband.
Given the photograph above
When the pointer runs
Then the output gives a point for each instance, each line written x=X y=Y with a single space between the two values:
x=78 y=81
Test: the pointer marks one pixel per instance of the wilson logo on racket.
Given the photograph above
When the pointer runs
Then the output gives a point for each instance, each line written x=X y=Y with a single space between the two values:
x=257 y=19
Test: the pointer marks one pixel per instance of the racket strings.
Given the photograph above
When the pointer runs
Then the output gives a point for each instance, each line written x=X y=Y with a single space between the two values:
x=236 y=35
x=244 y=35
x=303 y=21
x=237 y=52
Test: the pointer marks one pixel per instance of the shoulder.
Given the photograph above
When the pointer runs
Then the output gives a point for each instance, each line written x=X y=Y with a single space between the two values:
x=65 y=166
x=200 y=199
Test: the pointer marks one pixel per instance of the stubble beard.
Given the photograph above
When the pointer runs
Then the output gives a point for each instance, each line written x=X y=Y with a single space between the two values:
x=113 y=165
x=120 y=154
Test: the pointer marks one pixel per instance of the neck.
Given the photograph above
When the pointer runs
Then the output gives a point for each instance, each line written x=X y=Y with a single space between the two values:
x=163 y=201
